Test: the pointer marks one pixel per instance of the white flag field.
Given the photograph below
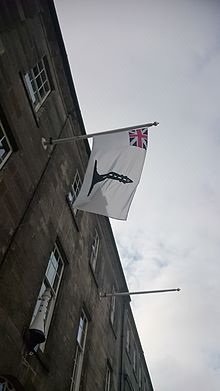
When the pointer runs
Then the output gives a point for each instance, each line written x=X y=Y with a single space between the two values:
x=113 y=173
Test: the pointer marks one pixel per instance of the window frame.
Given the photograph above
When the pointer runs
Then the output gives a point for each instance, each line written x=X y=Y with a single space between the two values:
x=144 y=384
x=108 y=377
x=5 y=137
x=79 y=354
x=54 y=292
x=134 y=361
x=94 y=251
x=112 y=308
x=74 y=192
x=128 y=340
x=140 y=376
x=31 y=81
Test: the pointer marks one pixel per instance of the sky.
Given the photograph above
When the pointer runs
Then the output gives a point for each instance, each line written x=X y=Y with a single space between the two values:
x=137 y=61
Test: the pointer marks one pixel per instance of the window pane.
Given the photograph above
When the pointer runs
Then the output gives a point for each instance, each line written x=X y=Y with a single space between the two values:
x=107 y=379
x=29 y=85
x=33 y=86
x=75 y=189
x=42 y=290
x=37 y=83
x=43 y=75
x=94 y=250
x=46 y=86
x=113 y=302
x=51 y=274
x=35 y=71
x=82 y=330
x=40 y=64
x=41 y=92
x=5 y=147
x=54 y=269
x=56 y=257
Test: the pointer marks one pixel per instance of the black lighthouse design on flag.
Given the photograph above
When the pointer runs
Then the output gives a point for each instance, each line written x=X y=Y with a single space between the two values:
x=110 y=175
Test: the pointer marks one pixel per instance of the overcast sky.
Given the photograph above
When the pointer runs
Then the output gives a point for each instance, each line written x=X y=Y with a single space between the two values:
x=135 y=61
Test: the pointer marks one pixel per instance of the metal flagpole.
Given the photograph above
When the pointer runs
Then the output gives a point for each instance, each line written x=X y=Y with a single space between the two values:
x=51 y=141
x=137 y=293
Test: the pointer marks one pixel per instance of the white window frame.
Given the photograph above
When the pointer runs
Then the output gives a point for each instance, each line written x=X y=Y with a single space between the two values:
x=53 y=285
x=128 y=340
x=94 y=250
x=4 y=142
x=37 y=83
x=108 y=374
x=80 y=348
x=75 y=189
x=113 y=307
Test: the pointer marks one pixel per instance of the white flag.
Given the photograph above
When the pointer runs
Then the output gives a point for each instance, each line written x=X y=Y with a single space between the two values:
x=113 y=173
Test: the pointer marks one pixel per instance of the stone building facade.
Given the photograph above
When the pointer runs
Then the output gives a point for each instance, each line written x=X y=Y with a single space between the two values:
x=46 y=245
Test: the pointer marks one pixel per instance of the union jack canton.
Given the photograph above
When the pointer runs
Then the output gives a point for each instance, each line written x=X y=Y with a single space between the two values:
x=139 y=137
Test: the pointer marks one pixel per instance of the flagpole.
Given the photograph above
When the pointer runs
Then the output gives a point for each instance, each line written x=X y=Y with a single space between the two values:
x=52 y=141
x=137 y=293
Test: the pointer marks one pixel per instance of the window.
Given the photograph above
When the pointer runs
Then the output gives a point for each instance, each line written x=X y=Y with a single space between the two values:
x=51 y=280
x=75 y=188
x=139 y=377
x=37 y=83
x=134 y=360
x=94 y=252
x=5 y=146
x=5 y=385
x=107 y=378
x=144 y=385
x=80 y=348
x=113 y=305
x=128 y=343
